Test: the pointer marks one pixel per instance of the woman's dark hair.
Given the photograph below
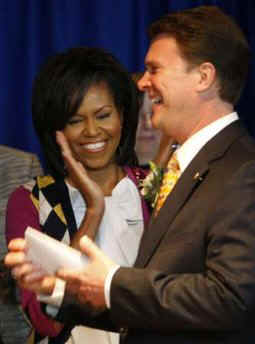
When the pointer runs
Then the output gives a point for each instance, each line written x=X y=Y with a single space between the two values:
x=59 y=89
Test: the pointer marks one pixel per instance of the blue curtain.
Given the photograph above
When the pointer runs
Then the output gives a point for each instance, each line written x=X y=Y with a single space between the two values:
x=31 y=30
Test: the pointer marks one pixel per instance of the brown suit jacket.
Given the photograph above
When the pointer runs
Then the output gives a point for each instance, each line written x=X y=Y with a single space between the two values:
x=194 y=278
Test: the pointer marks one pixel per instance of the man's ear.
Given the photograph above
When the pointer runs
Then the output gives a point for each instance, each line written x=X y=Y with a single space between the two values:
x=207 y=77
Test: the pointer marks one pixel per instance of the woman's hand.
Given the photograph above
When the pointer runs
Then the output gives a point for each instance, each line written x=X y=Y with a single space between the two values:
x=90 y=191
x=26 y=274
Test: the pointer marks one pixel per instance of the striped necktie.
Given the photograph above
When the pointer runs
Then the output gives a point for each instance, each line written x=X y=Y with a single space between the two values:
x=169 y=180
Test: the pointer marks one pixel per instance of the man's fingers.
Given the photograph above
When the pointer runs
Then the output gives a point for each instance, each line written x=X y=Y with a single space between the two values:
x=20 y=271
x=48 y=284
x=18 y=244
x=42 y=286
x=90 y=249
x=95 y=254
x=14 y=258
x=70 y=275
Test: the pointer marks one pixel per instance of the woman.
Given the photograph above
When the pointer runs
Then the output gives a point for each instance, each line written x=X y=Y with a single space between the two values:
x=90 y=100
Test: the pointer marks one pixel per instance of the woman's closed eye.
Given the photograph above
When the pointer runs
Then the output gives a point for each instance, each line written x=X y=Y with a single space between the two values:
x=99 y=116
x=74 y=120
x=103 y=115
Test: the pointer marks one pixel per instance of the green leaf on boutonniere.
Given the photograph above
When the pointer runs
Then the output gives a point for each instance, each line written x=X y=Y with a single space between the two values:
x=151 y=184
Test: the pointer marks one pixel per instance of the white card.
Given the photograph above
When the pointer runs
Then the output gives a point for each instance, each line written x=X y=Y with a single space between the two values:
x=51 y=254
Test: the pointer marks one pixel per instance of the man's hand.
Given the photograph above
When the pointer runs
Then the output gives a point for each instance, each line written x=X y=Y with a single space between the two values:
x=88 y=284
x=26 y=274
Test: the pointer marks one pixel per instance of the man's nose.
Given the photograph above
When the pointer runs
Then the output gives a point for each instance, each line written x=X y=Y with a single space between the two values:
x=144 y=82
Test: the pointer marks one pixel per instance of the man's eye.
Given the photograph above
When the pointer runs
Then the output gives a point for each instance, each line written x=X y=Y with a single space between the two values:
x=153 y=70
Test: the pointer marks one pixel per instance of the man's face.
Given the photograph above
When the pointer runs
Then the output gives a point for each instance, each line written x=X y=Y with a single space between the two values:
x=171 y=87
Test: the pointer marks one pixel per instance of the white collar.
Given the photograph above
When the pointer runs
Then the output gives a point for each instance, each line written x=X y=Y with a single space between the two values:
x=189 y=149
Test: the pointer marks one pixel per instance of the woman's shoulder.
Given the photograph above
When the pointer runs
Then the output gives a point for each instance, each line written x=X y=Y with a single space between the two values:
x=33 y=186
x=39 y=182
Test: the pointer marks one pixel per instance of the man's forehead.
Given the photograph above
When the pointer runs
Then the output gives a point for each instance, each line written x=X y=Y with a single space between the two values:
x=161 y=48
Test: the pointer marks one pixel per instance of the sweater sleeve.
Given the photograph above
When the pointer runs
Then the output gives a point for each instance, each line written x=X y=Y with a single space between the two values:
x=21 y=213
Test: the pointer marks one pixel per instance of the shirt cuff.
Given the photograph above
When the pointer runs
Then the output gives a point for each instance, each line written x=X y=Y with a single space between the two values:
x=107 y=285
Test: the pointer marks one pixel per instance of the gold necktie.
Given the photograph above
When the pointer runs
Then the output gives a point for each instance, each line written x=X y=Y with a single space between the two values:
x=169 y=180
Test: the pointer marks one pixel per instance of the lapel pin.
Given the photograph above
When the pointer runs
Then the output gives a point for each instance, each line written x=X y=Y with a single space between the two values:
x=197 y=176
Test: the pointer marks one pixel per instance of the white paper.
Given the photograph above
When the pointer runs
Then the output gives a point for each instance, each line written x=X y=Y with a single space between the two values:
x=51 y=254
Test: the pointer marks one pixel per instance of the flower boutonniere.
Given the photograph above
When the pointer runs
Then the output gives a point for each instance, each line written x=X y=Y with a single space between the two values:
x=151 y=183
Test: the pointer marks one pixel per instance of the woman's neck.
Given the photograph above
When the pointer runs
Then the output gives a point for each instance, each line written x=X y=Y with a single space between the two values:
x=107 y=178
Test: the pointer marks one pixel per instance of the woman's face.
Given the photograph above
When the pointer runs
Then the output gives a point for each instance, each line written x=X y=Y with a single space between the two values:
x=94 y=132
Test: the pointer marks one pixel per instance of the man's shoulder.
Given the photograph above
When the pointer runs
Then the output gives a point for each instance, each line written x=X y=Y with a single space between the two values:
x=16 y=167
x=10 y=153
x=243 y=147
x=15 y=162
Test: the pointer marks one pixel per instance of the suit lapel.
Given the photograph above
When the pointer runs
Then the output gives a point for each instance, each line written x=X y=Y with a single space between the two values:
x=191 y=178
x=174 y=202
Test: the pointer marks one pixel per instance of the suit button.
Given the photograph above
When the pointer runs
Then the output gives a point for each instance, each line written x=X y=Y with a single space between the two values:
x=123 y=330
x=123 y=334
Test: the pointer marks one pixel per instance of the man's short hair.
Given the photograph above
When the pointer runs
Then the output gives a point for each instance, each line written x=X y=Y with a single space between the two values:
x=206 y=34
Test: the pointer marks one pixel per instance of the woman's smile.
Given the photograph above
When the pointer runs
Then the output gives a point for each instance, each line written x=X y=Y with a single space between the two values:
x=94 y=147
x=94 y=132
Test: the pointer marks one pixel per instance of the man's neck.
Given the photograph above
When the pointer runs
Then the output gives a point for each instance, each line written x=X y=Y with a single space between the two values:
x=209 y=113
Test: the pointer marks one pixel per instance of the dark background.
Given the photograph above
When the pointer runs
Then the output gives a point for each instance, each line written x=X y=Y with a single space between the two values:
x=31 y=30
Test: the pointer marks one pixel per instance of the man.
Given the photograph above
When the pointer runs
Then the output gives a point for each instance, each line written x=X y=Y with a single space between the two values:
x=16 y=168
x=194 y=277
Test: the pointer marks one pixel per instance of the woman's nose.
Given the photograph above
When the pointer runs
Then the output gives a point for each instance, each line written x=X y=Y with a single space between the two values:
x=91 y=128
